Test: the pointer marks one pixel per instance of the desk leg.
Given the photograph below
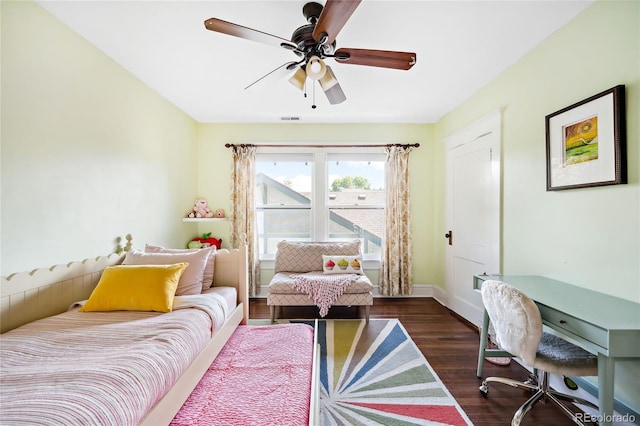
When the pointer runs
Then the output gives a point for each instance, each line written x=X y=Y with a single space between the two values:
x=483 y=342
x=606 y=371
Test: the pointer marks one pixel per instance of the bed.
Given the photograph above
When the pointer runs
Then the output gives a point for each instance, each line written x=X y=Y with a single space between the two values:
x=270 y=367
x=113 y=377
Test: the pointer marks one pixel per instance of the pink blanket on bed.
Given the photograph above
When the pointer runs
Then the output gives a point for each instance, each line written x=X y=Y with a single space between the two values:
x=262 y=376
x=322 y=289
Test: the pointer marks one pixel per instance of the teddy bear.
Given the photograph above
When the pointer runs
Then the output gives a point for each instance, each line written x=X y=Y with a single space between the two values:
x=200 y=209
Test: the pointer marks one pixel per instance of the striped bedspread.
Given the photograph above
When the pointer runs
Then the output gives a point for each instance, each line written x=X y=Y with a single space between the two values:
x=101 y=368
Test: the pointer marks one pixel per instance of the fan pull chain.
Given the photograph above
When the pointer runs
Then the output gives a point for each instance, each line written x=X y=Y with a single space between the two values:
x=313 y=106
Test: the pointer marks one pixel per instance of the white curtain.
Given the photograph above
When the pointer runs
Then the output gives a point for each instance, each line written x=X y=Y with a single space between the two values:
x=243 y=223
x=395 y=274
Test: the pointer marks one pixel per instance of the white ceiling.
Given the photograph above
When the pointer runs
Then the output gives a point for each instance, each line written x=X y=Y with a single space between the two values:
x=460 y=46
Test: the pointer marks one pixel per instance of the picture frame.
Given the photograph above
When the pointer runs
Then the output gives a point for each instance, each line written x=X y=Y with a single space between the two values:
x=586 y=142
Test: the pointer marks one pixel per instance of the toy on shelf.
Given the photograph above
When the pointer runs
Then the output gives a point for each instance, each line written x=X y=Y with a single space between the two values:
x=200 y=209
x=205 y=241
x=219 y=213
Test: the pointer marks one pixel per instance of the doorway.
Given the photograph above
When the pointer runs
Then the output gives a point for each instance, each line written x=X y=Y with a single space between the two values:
x=473 y=212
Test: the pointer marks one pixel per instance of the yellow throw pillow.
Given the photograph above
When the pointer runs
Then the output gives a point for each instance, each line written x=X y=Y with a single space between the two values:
x=190 y=281
x=136 y=288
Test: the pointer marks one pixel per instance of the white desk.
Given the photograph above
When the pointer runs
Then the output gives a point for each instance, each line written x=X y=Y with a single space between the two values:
x=602 y=324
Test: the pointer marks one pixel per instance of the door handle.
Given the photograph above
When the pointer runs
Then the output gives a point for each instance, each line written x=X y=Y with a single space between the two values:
x=449 y=235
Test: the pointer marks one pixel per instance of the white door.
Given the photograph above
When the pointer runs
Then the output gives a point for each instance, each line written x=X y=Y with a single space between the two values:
x=472 y=235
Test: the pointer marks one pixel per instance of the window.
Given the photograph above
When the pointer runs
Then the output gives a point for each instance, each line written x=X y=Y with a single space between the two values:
x=320 y=196
x=283 y=200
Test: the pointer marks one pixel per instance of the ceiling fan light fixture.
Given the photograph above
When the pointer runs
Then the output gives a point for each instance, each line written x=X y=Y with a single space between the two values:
x=298 y=78
x=328 y=80
x=331 y=88
x=314 y=42
x=316 y=68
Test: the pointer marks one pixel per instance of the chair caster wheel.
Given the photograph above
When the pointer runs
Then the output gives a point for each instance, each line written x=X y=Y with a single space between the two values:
x=532 y=380
x=484 y=390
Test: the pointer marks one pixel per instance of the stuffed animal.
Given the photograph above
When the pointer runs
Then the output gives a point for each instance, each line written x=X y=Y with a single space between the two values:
x=219 y=213
x=195 y=244
x=205 y=241
x=200 y=209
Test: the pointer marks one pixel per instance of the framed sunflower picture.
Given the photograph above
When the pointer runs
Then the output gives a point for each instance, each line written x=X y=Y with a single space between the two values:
x=586 y=142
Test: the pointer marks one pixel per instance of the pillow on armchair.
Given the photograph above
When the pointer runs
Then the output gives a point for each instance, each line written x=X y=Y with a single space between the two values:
x=338 y=264
x=306 y=256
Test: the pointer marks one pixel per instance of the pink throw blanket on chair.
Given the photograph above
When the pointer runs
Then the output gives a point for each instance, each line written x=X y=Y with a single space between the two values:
x=324 y=290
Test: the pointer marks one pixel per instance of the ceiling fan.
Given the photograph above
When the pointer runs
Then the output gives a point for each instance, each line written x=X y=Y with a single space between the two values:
x=315 y=42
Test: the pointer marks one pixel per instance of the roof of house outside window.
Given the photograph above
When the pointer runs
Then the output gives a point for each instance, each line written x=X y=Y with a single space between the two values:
x=363 y=221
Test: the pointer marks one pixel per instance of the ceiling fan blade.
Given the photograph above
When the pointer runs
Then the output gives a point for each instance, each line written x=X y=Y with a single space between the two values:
x=278 y=73
x=220 y=26
x=331 y=87
x=376 y=58
x=334 y=15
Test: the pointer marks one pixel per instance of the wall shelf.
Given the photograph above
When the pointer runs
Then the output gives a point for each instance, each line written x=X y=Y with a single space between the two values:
x=204 y=219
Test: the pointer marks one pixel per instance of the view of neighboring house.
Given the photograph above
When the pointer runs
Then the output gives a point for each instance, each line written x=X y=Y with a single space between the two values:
x=353 y=213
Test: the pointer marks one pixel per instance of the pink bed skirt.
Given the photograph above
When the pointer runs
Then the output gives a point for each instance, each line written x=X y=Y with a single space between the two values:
x=262 y=376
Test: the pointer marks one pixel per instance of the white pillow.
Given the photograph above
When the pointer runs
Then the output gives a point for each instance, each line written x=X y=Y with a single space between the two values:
x=339 y=264
x=191 y=279
x=207 y=276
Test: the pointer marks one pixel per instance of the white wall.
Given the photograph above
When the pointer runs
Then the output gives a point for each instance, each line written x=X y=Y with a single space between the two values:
x=589 y=237
x=89 y=153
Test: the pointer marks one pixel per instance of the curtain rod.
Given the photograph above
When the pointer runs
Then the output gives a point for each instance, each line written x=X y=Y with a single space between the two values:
x=415 y=145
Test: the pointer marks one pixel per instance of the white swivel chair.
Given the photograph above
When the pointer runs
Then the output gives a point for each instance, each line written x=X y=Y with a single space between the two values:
x=518 y=330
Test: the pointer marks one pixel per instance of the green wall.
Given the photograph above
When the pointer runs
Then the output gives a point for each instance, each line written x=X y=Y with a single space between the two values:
x=586 y=236
x=589 y=237
x=89 y=152
x=214 y=170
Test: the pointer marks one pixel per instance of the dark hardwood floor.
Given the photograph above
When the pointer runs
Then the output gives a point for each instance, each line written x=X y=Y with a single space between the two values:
x=451 y=347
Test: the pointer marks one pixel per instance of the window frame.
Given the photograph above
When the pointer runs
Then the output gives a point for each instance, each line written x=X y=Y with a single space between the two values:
x=320 y=158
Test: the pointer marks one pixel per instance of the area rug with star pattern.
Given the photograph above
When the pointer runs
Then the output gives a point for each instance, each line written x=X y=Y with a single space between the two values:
x=374 y=374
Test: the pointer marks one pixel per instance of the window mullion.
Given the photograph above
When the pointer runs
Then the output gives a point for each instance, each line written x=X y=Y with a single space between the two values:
x=320 y=196
x=294 y=182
